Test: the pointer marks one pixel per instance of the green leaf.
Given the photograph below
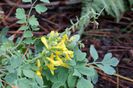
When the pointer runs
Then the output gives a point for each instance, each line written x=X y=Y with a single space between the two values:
x=36 y=29
x=72 y=63
x=109 y=60
x=1 y=84
x=73 y=41
x=88 y=71
x=46 y=1
x=10 y=78
x=40 y=8
x=62 y=75
x=28 y=34
x=71 y=81
x=83 y=83
x=94 y=78
x=22 y=21
x=114 y=61
x=27 y=0
x=57 y=85
x=19 y=71
x=33 y=21
x=107 y=69
x=76 y=73
x=93 y=52
x=107 y=57
x=39 y=81
x=3 y=34
x=24 y=83
x=80 y=56
x=29 y=73
x=24 y=27
x=20 y=13
x=16 y=61
x=28 y=40
x=10 y=69
x=75 y=38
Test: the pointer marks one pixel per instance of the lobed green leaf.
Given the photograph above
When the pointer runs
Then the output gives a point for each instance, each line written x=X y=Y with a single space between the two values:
x=93 y=52
x=40 y=8
x=83 y=83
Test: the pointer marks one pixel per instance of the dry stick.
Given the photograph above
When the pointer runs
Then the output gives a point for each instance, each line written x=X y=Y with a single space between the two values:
x=117 y=75
x=26 y=52
x=55 y=3
x=125 y=78
x=20 y=32
x=105 y=77
x=12 y=9
x=118 y=80
x=6 y=17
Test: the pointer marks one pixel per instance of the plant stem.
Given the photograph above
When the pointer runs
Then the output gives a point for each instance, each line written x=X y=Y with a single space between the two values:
x=117 y=75
x=32 y=6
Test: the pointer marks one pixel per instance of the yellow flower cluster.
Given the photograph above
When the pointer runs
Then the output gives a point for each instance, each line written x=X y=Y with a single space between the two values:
x=38 y=72
x=59 y=53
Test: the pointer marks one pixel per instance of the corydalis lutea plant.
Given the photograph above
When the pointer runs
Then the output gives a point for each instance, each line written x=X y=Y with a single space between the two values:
x=58 y=64
x=64 y=65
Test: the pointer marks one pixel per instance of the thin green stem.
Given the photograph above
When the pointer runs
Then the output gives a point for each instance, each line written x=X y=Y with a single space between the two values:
x=28 y=18
x=21 y=39
x=31 y=8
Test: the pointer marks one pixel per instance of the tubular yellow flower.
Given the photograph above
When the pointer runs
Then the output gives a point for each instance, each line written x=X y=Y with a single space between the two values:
x=61 y=46
x=38 y=72
x=69 y=54
x=57 y=53
x=38 y=63
x=61 y=62
x=52 y=61
x=65 y=38
x=51 y=67
x=53 y=33
x=44 y=41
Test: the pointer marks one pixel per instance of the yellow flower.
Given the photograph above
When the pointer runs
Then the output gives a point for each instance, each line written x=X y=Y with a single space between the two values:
x=57 y=62
x=65 y=38
x=58 y=51
x=52 y=61
x=38 y=72
x=44 y=41
x=69 y=54
x=61 y=62
x=53 y=33
x=61 y=45
x=38 y=63
x=51 y=67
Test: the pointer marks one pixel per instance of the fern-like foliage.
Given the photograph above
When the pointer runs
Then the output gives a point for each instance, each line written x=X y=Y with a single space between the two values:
x=91 y=9
x=88 y=15
x=130 y=2
x=114 y=8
